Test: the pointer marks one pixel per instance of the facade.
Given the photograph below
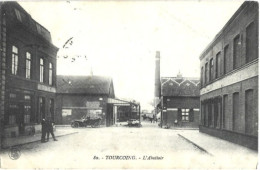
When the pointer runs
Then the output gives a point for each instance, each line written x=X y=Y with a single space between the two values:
x=79 y=96
x=180 y=101
x=28 y=69
x=229 y=80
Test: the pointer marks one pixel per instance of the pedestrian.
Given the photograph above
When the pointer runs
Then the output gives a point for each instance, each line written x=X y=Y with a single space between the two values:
x=50 y=124
x=44 y=130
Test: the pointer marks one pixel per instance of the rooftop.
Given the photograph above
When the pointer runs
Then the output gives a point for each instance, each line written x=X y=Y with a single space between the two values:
x=180 y=86
x=67 y=84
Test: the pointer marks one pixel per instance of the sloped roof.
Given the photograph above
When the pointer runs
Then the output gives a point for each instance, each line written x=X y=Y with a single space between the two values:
x=15 y=11
x=85 y=85
x=180 y=86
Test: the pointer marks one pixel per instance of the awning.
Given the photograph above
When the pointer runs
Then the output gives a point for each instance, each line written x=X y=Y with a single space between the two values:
x=120 y=102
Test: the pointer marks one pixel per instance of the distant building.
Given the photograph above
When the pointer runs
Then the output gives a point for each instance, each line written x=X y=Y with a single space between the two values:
x=180 y=101
x=27 y=69
x=229 y=79
x=79 y=96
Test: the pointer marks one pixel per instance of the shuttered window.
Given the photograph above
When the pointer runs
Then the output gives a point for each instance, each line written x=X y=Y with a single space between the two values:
x=251 y=42
x=191 y=115
x=236 y=111
x=250 y=113
x=211 y=71
x=217 y=72
x=226 y=59
x=236 y=52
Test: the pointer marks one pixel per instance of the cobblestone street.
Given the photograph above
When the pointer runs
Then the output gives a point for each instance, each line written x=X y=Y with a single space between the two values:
x=121 y=147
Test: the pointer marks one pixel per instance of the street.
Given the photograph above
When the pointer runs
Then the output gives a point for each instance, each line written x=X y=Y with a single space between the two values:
x=114 y=147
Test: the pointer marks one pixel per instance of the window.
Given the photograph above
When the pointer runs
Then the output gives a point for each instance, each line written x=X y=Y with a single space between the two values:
x=185 y=115
x=28 y=65
x=50 y=74
x=26 y=118
x=41 y=109
x=205 y=119
x=41 y=70
x=236 y=52
x=217 y=112
x=12 y=119
x=210 y=108
x=27 y=108
x=202 y=114
x=225 y=111
x=27 y=113
x=12 y=96
x=217 y=73
x=236 y=117
x=18 y=14
x=226 y=58
x=211 y=71
x=27 y=97
x=14 y=60
x=206 y=73
x=251 y=42
x=13 y=110
x=250 y=113
x=201 y=77
x=191 y=115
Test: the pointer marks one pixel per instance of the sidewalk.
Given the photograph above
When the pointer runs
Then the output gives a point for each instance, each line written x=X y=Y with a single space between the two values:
x=233 y=155
x=8 y=142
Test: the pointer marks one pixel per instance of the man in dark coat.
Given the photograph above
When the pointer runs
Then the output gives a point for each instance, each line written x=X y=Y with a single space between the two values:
x=44 y=130
x=50 y=129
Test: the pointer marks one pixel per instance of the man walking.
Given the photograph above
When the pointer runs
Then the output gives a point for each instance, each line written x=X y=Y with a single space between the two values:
x=44 y=129
x=50 y=129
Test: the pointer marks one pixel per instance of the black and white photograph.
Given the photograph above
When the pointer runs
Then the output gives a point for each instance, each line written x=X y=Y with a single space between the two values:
x=128 y=84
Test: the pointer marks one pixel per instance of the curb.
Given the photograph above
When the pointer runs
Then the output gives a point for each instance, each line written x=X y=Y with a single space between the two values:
x=197 y=146
x=37 y=141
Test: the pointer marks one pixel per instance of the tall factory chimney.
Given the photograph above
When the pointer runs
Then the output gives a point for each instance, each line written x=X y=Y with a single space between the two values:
x=157 y=81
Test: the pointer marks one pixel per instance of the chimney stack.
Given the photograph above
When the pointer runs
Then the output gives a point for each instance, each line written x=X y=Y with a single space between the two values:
x=157 y=89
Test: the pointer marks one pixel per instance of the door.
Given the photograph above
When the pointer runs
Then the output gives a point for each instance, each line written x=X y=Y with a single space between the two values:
x=249 y=116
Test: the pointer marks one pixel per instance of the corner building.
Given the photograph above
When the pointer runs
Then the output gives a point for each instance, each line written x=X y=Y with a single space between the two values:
x=28 y=71
x=229 y=80
x=180 y=101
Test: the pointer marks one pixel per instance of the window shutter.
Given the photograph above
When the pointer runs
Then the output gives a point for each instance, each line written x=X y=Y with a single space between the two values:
x=179 y=114
x=191 y=115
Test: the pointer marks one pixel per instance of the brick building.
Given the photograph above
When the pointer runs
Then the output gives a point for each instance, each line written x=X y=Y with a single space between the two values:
x=229 y=80
x=28 y=69
x=180 y=101
x=79 y=96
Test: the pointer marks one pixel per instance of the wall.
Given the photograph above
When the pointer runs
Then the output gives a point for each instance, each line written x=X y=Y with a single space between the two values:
x=241 y=139
x=181 y=102
x=22 y=36
x=171 y=106
x=237 y=26
x=237 y=77
x=77 y=104
x=239 y=87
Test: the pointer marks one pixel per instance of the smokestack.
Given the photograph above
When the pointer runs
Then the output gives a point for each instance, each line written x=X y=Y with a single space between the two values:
x=157 y=89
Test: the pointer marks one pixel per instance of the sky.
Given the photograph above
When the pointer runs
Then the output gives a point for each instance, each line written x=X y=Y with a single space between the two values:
x=120 y=38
